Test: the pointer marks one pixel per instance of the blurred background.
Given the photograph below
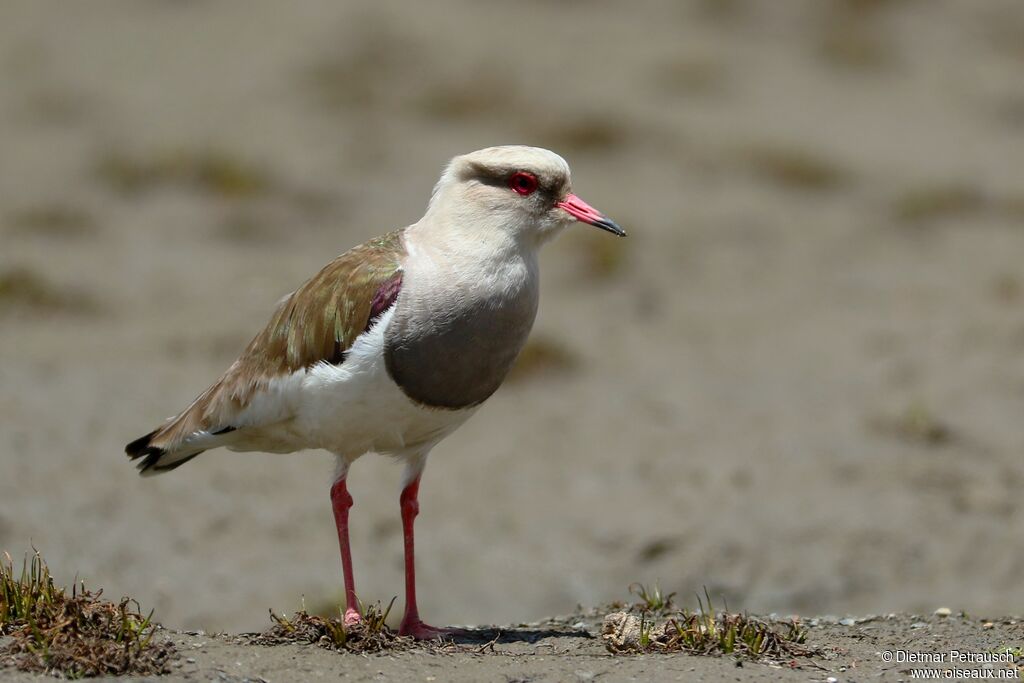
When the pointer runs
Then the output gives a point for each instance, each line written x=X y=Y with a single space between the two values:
x=799 y=382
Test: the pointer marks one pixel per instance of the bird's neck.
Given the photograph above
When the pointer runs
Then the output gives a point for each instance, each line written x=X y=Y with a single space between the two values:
x=470 y=241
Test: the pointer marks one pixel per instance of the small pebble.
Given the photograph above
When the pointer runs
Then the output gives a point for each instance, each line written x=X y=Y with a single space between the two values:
x=988 y=624
x=918 y=624
x=943 y=612
x=848 y=621
x=190 y=660
x=831 y=679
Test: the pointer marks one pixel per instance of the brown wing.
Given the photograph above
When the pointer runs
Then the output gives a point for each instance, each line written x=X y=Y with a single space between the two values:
x=318 y=322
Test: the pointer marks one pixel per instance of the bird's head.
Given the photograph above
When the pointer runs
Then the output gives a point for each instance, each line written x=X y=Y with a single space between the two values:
x=523 y=191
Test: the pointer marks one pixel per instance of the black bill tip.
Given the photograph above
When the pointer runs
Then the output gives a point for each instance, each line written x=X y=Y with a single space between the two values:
x=609 y=225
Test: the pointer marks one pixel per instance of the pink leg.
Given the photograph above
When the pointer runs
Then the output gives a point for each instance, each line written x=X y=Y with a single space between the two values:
x=412 y=625
x=341 y=501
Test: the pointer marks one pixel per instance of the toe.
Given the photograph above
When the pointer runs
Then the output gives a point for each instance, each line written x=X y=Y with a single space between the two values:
x=352 y=617
x=421 y=631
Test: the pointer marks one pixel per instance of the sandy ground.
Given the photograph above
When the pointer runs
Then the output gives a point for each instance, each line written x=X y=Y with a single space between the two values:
x=798 y=383
x=570 y=649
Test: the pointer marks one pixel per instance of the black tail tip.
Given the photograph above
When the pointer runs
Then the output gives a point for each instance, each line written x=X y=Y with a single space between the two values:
x=150 y=455
x=141 y=447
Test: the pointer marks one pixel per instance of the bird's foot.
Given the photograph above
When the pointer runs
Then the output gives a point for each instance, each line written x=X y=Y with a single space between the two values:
x=352 y=617
x=420 y=631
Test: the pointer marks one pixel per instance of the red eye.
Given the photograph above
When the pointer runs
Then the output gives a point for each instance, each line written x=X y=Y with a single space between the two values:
x=522 y=182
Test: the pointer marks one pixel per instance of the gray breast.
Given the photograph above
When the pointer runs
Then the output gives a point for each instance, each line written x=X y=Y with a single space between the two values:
x=457 y=356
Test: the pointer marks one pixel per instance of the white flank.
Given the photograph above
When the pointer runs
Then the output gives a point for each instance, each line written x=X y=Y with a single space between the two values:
x=348 y=409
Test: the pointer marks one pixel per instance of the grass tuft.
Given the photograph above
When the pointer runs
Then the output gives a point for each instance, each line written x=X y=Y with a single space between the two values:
x=369 y=635
x=73 y=636
x=651 y=598
x=23 y=597
x=706 y=631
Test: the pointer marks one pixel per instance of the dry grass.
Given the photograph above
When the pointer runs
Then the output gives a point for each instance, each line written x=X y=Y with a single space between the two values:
x=710 y=633
x=73 y=636
x=369 y=635
x=704 y=632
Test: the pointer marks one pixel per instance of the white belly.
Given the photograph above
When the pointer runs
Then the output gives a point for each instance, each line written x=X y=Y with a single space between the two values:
x=351 y=409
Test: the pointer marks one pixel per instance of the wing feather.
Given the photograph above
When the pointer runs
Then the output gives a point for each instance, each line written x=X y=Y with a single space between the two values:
x=317 y=323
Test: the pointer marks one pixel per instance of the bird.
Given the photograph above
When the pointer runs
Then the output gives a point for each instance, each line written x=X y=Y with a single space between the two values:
x=395 y=343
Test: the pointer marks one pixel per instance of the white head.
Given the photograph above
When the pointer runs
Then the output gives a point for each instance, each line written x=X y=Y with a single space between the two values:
x=525 y=192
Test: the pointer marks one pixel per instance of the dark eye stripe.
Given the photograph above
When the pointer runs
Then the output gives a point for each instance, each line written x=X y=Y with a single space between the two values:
x=550 y=187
